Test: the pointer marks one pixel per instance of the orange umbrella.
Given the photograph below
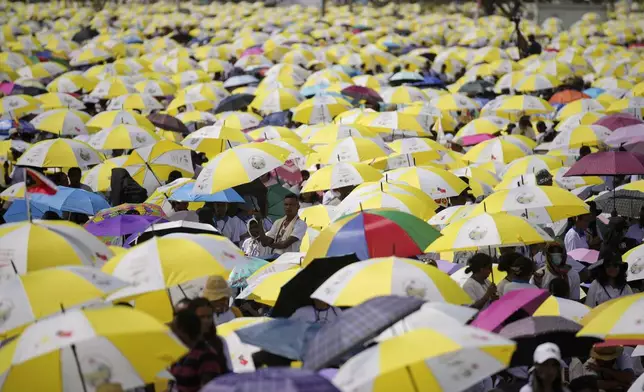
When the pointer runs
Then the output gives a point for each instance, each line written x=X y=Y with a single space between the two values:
x=567 y=96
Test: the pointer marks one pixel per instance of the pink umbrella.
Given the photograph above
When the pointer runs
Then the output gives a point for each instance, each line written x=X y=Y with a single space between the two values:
x=618 y=120
x=626 y=135
x=513 y=306
x=6 y=87
x=612 y=163
x=586 y=255
x=253 y=50
x=475 y=139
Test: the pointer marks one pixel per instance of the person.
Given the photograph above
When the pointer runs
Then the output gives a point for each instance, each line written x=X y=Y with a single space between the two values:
x=558 y=287
x=525 y=128
x=615 y=239
x=252 y=246
x=584 y=384
x=576 y=237
x=334 y=197
x=534 y=47
x=318 y=312
x=124 y=189
x=201 y=364
x=74 y=174
x=610 y=280
x=231 y=227
x=505 y=263
x=173 y=176
x=522 y=270
x=612 y=368
x=206 y=215
x=287 y=232
x=479 y=288
x=201 y=307
x=636 y=230
x=556 y=267
x=50 y=215
x=546 y=376
x=584 y=150
x=218 y=292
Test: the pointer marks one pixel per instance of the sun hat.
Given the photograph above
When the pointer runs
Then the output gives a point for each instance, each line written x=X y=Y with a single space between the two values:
x=216 y=288
x=606 y=353
x=546 y=351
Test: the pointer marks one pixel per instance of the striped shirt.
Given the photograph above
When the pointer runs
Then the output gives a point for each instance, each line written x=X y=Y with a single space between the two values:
x=195 y=369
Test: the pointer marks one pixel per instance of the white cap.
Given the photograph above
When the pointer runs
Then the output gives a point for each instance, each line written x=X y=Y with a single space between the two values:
x=545 y=352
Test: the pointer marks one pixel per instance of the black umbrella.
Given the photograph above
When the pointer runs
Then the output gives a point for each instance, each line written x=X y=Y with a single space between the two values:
x=168 y=122
x=530 y=332
x=355 y=327
x=626 y=202
x=234 y=103
x=297 y=292
x=477 y=87
x=85 y=34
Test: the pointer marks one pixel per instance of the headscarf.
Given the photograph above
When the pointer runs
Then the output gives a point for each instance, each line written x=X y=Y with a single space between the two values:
x=558 y=270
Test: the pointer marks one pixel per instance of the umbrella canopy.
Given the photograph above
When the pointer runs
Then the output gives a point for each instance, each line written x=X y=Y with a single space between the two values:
x=355 y=327
x=168 y=122
x=610 y=163
x=373 y=233
x=555 y=306
x=124 y=137
x=512 y=306
x=60 y=153
x=73 y=200
x=122 y=225
x=627 y=203
x=618 y=321
x=616 y=121
x=531 y=332
x=286 y=338
x=341 y=175
x=272 y=380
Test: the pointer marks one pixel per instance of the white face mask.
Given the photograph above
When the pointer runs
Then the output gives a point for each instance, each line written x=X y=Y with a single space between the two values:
x=557 y=258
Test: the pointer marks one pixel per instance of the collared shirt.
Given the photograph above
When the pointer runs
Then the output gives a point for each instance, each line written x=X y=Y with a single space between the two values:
x=475 y=289
x=231 y=227
x=198 y=366
x=298 y=232
x=575 y=239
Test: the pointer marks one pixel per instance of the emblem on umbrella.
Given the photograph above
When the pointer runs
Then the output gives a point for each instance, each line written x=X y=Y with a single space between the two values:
x=477 y=233
x=257 y=162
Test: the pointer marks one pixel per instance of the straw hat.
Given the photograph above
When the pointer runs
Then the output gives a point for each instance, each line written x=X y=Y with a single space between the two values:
x=606 y=353
x=109 y=387
x=217 y=288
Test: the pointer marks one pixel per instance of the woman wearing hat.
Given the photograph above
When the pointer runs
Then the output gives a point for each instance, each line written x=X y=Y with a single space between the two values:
x=610 y=279
x=546 y=373
x=218 y=292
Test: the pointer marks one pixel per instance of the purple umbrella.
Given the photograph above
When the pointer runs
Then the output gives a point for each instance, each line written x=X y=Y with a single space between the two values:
x=360 y=93
x=610 y=163
x=626 y=135
x=271 y=380
x=122 y=225
x=448 y=267
x=472 y=140
x=618 y=120
x=513 y=306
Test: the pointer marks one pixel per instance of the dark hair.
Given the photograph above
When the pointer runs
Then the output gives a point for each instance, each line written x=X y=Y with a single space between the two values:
x=582 y=383
x=610 y=258
x=557 y=385
x=187 y=322
x=211 y=336
x=584 y=150
x=174 y=175
x=74 y=170
x=522 y=266
x=525 y=121
x=559 y=287
x=506 y=260
x=478 y=262
x=291 y=196
x=50 y=215
x=197 y=303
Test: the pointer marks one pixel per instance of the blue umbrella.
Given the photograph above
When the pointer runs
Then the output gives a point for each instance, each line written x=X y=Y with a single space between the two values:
x=73 y=200
x=429 y=80
x=17 y=212
x=593 y=92
x=273 y=379
x=240 y=273
x=284 y=337
x=278 y=119
x=184 y=193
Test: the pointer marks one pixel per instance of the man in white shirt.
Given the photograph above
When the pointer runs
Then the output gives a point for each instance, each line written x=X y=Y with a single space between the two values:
x=229 y=226
x=287 y=232
x=576 y=237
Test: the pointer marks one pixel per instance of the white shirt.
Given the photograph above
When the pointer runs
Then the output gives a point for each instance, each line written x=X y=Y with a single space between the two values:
x=475 y=289
x=635 y=232
x=574 y=282
x=330 y=198
x=511 y=286
x=310 y=315
x=574 y=241
x=298 y=232
x=231 y=227
x=598 y=294
x=220 y=318
x=252 y=247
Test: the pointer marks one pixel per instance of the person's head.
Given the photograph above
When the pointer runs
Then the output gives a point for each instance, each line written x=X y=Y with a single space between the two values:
x=556 y=254
x=174 y=175
x=254 y=228
x=547 y=365
x=74 y=175
x=606 y=356
x=179 y=205
x=531 y=37
x=206 y=215
x=50 y=215
x=505 y=262
x=305 y=175
x=524 y=122
x=291 y=206
x=344 y=191
x=612 y=269
x=220 y=209
x=309 y=197
x=480 y=265
x=583 y=151
x=559 y=287
x=583 y=221
x=201 y=307
x=522 y=268
x=541 y=127
x=584 y=384
x=187 y=326
x=592 y=206
x=218 y=292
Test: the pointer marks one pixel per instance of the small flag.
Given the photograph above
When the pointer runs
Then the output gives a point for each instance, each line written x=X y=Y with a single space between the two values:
x=37 y=183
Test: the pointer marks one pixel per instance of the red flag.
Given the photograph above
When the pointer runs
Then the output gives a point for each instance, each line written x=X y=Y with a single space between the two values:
x=38 y=183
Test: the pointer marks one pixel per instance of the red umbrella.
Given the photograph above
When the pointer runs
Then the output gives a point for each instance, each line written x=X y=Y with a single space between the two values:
x=360 y=93
x=567 y=96
x=611 y=163
x=513 y=306
x=615 y=121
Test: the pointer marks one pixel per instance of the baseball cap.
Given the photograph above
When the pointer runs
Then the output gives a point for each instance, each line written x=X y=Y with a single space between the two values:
x=216 y=288
x=547 y=351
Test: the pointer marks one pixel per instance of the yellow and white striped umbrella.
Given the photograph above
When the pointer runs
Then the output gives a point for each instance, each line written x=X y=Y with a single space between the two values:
x=239 y=165
x=414 y=145
x=449 y=215
x=618 y=320
x=277 y=100
x=99 y=177
x=576 y=120
x=439 y=359
x=353 y=149
x=537 y=82
x=59 y=101
x=16 y=106
x=123 y=137
x=60 y=153
x=45 y=292
x=454 y=102
x=531 y=164
x=524 y=105
x=195 y=116
x=70 y=83
x=215 y=138
x=111 y=88
x=584 y=135
x=187 y=78
x=239 y=353
x=86 y=350
x=273 y=133
x=211 y=91
x=379 y=199
x=137 y=101
x=555 y=306
x=483 y=125
x=89 y=56
x=31 y=245
x=437 y=183
x=557 y=69
x=62 y=122
x=14 y=192
x=573 y=182
x=488 y=230
x=580 y=106
x=239 y=120
x=494 y=150
x=361 y=281
x=150 y=164
x=42 y=70
x=632 y=105
x=155 y=88
x=341 y=175
x=113 y=118
x=404 y=95
x=332 y=133
x=320 y=109
x=386 y=122
x=537 y=204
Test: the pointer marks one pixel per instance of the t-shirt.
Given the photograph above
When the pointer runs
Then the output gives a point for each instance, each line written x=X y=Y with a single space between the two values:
x=231 y=227
x=475 y=289
x=598 y=294
x=573 y=240
x=198 y=365
x=511 y=286
x=276 y=233
x=254 y=248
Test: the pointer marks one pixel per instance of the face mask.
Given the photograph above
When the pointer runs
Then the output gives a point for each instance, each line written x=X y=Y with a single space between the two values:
x=557 y=258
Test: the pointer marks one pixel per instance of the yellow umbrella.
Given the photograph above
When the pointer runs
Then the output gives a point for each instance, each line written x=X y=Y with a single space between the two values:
x=494 y=150
x=353 y=149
